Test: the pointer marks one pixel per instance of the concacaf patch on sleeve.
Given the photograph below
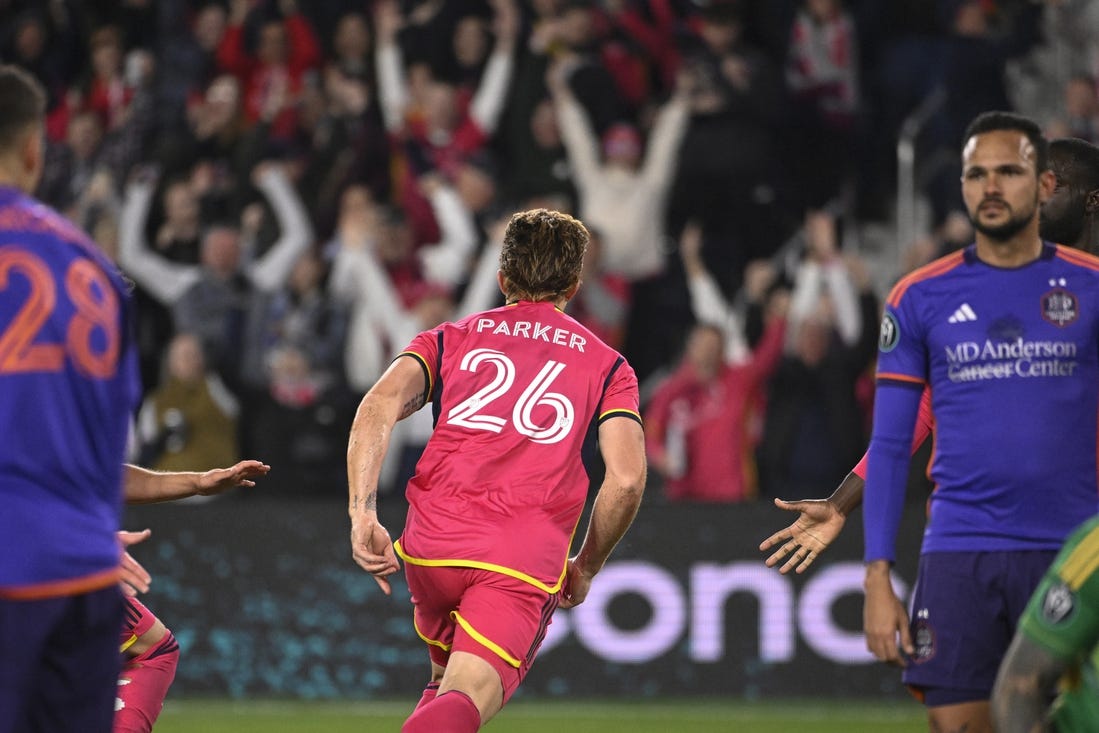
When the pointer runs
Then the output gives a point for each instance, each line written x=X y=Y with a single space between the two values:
x=1059 y=604
x=890 y=333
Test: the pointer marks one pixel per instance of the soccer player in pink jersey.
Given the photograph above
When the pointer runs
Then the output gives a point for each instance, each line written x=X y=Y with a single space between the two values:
x=522 y=395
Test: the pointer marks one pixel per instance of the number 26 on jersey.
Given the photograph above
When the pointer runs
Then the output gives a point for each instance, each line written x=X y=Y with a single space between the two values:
x=474 y=411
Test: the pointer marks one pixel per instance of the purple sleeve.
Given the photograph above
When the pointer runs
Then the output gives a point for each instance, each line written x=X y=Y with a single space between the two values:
x=895 y=408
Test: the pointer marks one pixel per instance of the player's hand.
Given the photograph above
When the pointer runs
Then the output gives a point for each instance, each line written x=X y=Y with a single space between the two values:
x=817 y=525
x=884 y=618
x=218 y=480
x=576 y=586
x=133 y=577
x=372 y=549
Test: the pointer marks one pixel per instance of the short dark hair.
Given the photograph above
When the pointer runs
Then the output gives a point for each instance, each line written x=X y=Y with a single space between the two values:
x=1081 y=161
x=997 y=120
x=22 y=105
x=542 y=255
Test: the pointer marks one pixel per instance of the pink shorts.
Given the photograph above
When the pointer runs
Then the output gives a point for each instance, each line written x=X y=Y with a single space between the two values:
x=494 y=616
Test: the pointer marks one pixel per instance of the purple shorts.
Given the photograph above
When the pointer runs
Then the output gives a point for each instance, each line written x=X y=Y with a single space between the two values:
x=59 y=662
x=964 y=611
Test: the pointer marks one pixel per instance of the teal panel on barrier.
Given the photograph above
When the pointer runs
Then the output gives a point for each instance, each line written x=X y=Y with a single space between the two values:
x=266 y=601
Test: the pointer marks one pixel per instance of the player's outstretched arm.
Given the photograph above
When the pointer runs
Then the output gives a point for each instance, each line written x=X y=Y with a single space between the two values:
x=142 y=486
x=622 y=443
x=818 y=524
x=399 y=392
x=1028 y=675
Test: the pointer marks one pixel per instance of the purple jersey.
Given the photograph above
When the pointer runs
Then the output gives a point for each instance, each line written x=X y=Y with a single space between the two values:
x=1011 y=357
x=68 y=385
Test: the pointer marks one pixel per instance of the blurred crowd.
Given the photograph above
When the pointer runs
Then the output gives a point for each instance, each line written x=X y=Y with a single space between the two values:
x=298 y=188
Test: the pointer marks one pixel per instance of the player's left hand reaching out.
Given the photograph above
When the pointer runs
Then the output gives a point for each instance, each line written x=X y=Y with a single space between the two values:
x=219 y=480
x=372 y=549
x=819 y=522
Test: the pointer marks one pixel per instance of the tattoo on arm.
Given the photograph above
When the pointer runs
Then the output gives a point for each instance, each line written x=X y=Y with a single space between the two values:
x=411 y=406
x=368 y=502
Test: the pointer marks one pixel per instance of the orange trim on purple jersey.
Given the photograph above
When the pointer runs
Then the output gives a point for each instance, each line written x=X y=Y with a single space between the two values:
x=503 y=570
x=53 y=589
x=1076 y=257
x=895 y=377
x=938 y=267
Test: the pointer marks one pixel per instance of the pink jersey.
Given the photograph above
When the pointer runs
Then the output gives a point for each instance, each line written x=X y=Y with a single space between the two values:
x=925 y=424
x=518 y=395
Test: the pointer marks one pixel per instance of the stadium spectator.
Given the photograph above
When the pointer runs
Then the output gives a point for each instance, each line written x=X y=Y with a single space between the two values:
x=272 y=75
x=186 y=55
x=438 y=134
x=64 y=416
x=623 y=186
x=366 y=229
x=1080 y=111
x=210 y=299
x=717 y=392
x=351 y=48
x=50 y=45
x=726 y=178
x=822 y=74
x=813 y=429
x=190 y=419
x=604 y=302
x=480 y=653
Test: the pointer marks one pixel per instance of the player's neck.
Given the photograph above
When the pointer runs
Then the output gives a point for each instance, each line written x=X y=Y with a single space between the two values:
x=10 y=176
x=1088 y=240
x=1021 y=249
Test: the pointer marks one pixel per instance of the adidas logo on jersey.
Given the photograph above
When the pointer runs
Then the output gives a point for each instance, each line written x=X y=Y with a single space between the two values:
x=964 y=314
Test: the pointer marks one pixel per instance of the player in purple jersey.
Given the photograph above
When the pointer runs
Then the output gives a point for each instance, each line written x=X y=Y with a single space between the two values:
x=1006 y=335
x=523 y=395
x=68 y=385
x=1070 y=217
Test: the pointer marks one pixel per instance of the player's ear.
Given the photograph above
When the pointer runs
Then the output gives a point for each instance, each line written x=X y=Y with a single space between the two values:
x=33 y=154
x=504 y=283
x=1091 y=201
x=1046 y=183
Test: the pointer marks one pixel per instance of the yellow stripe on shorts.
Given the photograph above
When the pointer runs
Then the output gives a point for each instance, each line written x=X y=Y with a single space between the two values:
x=485 y=641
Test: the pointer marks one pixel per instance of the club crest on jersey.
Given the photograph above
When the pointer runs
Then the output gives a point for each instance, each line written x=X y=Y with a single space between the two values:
x=1059 y=307
x=1058 y=604
x=890 y=333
